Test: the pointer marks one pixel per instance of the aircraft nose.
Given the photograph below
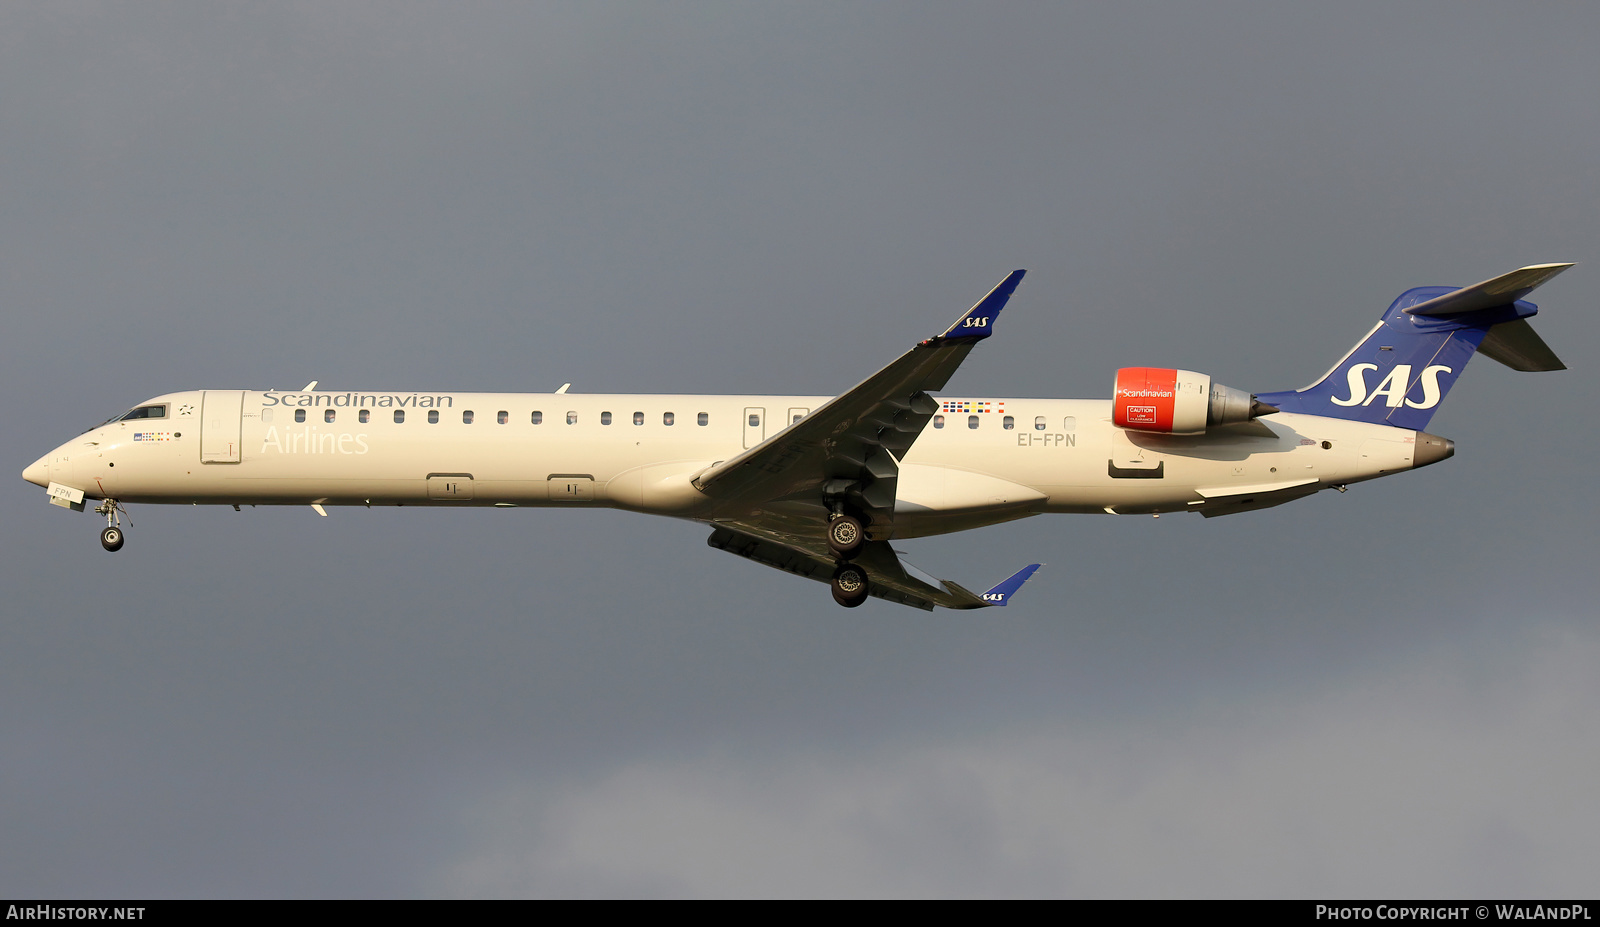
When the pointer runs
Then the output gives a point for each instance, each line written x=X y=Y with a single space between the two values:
x=38 y=472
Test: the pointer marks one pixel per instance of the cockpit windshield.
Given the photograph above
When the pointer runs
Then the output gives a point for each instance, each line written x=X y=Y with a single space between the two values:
x=142 y=412
x=157 y=411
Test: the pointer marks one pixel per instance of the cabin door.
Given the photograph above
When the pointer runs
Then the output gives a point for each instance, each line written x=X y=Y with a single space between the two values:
x=755 y=427
x=220 y=412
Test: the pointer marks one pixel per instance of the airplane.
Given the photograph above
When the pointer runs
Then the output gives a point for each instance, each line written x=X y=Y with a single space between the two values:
x=822 y=486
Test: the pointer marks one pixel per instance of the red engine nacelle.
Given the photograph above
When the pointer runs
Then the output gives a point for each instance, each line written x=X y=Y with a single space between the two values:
x=1178 y=402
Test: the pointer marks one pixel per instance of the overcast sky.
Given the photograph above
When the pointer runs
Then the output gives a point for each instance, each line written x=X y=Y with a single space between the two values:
x=1389 y=692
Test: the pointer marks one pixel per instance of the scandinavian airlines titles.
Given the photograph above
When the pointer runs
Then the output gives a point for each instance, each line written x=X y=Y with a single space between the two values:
x=352 y=400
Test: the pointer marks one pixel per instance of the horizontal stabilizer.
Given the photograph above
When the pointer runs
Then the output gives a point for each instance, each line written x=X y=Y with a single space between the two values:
x=1008 y=587
x=1490 y=294
x=1519 y=347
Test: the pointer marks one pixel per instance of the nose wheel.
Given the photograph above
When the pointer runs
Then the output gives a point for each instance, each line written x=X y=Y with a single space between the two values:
x=112 y=537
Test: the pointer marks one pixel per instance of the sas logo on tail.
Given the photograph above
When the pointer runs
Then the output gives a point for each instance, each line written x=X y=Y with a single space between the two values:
x=1393 y=387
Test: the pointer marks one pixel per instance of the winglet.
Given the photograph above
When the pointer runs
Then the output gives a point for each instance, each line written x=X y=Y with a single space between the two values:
x=1002 y=593
x=979 y=321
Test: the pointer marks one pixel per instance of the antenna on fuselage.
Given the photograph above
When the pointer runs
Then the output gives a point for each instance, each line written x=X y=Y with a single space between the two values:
x=563 y=388
x=310 y=386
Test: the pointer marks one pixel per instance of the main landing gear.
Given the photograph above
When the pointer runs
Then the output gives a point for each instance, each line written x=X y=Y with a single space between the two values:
x=112 y=537
x=846 y=534
x=850 y=585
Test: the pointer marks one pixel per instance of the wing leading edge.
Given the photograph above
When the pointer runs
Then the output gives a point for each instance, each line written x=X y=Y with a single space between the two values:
x=848 y=450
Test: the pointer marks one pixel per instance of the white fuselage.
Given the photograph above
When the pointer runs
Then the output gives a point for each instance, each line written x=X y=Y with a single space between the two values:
x=1016 y=457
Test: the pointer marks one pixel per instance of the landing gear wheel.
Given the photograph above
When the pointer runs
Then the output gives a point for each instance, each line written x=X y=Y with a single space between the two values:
x=850 y=586
x=111 y=538
x=846 y=535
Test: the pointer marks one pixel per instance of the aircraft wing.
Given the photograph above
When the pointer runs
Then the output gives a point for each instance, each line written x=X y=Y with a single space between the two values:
x=850 y=447
x=1231 y=500
x=891 y=579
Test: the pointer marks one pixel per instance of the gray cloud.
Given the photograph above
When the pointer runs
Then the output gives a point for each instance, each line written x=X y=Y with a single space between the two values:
x=1416 y=781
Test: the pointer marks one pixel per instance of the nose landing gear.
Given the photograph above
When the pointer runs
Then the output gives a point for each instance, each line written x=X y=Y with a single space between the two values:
x=112 y=537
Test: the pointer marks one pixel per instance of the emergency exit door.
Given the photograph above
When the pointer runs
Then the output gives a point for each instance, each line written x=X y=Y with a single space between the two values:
x=220 y=413
x=755 y=426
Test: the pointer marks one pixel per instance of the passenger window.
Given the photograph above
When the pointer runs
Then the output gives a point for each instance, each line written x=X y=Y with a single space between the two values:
x=666 y=418
x=1070 y=423
x=702 y=419
x=299 y=415
x=538 y=417
x=433 y=416
x=938 y=421
x=797 y=417
x=572 y=418
x=755 y=420
x=1038 y=423
x=399 y=416
x=466 y=417
x=364 y=416
x=328 y=416
x=972 y=421
x=638 y=418
x=1008 y=423
x=266 y=416
x=605 y=418
x=502 y=417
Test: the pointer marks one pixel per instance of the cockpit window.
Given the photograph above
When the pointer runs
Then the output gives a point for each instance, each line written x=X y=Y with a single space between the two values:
x=159 y=411
x=153 y=411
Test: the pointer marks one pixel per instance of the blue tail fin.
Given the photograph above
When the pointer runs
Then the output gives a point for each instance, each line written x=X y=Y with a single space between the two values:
x=1401 y=372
